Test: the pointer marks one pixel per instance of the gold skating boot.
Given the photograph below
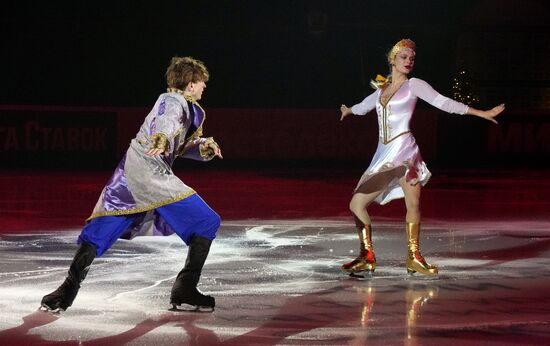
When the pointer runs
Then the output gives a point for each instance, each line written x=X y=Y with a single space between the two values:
x=366 y=260
x=415 y=261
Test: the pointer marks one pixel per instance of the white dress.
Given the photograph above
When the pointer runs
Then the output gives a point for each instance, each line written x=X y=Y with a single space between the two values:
x=397 y=146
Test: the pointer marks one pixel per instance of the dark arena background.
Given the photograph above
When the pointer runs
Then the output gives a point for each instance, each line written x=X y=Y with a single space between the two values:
x=78 y=78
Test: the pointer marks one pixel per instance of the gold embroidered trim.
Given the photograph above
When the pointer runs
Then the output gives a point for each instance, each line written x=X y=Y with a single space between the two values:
x=190 y=99
x=384 y=124
x=142 y=209
x=205 y=151
x=399 y=135
x=160 y=141
x=388 y=98
x=176 y=90
x=198 y=133
x=182 y=93
x=385 y=109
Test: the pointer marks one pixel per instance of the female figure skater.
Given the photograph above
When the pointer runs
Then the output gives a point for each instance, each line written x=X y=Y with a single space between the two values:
x=144 y=196
x=397 y=169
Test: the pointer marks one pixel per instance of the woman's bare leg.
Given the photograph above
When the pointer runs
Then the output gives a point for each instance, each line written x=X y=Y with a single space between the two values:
x=358 y=207
x=412 y=200
x=367 y=193
x=366 y=261
x=415 y=261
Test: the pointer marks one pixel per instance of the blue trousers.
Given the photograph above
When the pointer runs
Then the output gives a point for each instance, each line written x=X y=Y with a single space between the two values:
x=188 y=217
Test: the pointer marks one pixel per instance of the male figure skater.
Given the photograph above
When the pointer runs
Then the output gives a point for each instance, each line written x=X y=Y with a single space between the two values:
x=144 y=196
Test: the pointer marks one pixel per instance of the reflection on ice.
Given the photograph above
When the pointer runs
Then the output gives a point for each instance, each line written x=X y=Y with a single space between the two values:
x=280 y=283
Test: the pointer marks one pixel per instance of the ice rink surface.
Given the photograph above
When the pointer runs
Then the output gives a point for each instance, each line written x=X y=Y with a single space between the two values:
x=279 y=283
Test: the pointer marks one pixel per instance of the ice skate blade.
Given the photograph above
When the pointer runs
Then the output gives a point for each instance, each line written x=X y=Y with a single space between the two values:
x=359 y=272
x=361 y=275
x=46 y=308
x=413 y=275
x=190 y=308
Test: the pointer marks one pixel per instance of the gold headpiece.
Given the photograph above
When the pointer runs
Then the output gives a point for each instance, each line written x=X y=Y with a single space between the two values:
x=404 y=43
x=381 y=81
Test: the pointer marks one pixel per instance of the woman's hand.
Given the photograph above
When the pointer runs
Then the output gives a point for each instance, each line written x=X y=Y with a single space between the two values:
x=345 y=111
x=492 y=113
x=489 y=114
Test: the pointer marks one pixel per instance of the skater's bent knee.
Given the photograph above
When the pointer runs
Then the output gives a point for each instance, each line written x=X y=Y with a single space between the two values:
x=356 y=207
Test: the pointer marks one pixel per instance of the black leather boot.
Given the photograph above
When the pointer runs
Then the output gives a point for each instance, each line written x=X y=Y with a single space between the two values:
x=64 y=295
x=185 y=289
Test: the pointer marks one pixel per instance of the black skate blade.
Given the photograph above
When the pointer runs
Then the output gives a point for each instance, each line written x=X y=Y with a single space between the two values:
x=190 y=308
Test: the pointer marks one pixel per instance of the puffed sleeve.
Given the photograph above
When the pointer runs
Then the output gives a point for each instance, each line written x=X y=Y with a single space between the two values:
x=367 y=105
x=423 y=90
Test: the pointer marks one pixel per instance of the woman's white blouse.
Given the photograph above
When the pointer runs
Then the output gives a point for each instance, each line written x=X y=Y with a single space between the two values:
x=395 y=116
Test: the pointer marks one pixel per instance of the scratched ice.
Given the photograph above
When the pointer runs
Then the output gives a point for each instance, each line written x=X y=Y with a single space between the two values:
x=279 y=282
